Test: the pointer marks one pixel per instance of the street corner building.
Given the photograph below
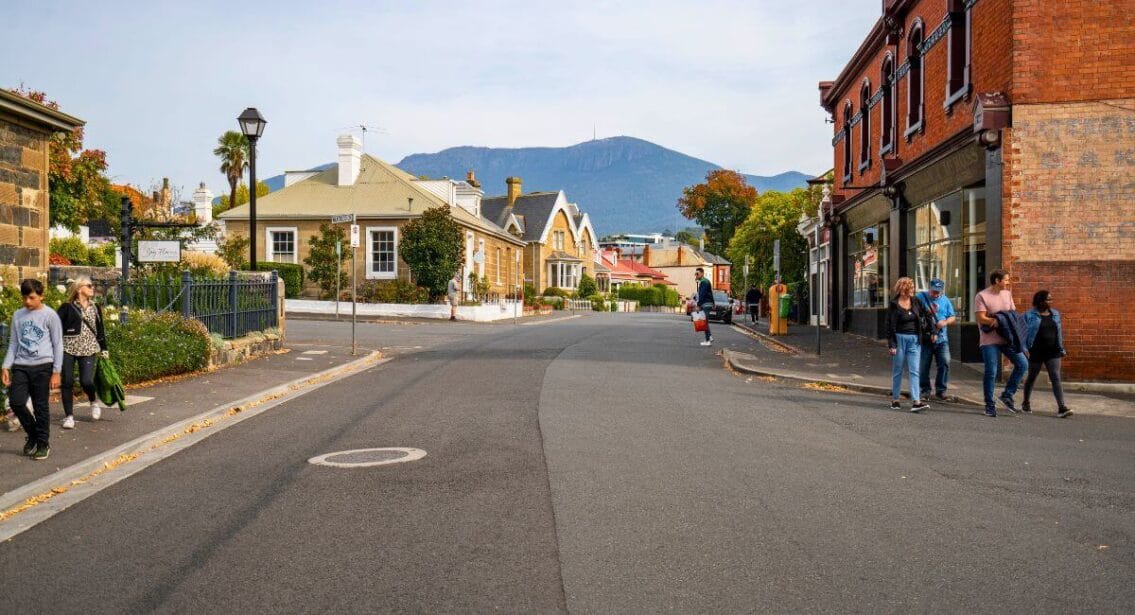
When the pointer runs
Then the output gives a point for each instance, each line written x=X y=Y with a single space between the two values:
x=972 y=135
x=382 y=199
x=25 y=134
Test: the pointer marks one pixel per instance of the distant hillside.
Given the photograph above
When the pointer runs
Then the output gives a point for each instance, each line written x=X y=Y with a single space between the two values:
x=627 y=185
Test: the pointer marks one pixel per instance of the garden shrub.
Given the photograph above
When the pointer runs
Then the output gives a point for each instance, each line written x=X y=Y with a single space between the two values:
x=393 y=291
x=291 y=274
x=587 y=287
x=552 y=291
x=530 y=297
x=70 y=248
x=155 y=345
x=657 y=295
x=201 y=264
x=102 y=256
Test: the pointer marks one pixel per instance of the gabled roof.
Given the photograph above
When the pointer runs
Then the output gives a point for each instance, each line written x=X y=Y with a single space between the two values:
x=49 y=117
x=380 y=191
x=532 y=208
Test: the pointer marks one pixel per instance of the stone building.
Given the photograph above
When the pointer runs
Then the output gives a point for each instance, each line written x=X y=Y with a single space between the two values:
x=25 y=130
x=972 y=135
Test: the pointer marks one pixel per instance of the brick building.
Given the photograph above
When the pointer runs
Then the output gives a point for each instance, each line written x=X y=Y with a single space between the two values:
x=25 y=128
x=972 y=135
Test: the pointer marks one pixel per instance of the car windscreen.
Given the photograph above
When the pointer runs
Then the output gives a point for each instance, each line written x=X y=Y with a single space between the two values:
x=720 y=296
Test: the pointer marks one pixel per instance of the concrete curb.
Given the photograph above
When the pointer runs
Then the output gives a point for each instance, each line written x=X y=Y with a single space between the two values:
x=730 y=357
x=764 y=337
x=52 y=494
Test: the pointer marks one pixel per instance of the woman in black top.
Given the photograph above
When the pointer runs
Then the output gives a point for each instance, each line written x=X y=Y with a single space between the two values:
x=1045 y=343
x=907 y=323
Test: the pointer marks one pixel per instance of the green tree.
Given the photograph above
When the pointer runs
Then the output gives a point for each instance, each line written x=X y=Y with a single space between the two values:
x=232 y=149
x=719 y=205
x=433 y=248
x=234 y=250
x=242 y=195
x=774 y=216
x=587 y=286
x=323 y=262
x=77 y=176
x=688 y=237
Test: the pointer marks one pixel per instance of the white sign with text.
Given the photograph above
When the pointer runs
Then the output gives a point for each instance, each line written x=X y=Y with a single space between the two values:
x=159 y=251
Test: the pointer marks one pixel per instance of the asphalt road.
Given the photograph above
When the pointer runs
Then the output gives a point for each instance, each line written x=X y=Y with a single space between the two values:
x=597 y=465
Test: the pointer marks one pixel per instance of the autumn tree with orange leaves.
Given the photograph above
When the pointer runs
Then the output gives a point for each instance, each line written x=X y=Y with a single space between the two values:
x=719 y=205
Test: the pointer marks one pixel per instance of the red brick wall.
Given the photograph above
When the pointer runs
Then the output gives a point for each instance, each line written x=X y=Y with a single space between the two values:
x=1075 y=50
x=990 y=71
x=1094 y=299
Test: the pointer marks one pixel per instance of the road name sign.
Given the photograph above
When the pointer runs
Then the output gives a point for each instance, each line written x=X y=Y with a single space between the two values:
x=343 y=219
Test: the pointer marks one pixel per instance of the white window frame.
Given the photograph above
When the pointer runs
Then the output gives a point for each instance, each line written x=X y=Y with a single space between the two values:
x=371 y=274
x=484 y=257
x=269 y=254
x=498 y=266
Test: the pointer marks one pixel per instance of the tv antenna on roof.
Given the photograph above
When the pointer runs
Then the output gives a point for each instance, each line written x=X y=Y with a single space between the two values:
x=364 y=129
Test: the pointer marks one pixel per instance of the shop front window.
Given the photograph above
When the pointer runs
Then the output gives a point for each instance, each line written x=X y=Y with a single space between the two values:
x=947 y=241
x=870 y=266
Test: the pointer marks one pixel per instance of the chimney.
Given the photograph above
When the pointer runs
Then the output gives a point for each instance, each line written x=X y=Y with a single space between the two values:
x=514 y=184
x=472 y=179
x=679 y=256
x=701 y=244
x=203 y=205
x=350 y=159
x=646 y=255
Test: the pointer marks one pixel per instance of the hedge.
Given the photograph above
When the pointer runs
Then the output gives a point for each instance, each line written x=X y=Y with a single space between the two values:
x=659 y=294
x=393 y=291
x=291 y=274
x=155 y=345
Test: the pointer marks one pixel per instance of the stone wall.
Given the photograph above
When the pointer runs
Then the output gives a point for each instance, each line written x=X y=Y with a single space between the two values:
x=23 y=197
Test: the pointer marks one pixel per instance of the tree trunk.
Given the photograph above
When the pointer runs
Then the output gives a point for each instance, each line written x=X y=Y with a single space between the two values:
x=233 y=181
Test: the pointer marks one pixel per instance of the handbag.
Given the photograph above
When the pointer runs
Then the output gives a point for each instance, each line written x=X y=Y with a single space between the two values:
x=700 y=323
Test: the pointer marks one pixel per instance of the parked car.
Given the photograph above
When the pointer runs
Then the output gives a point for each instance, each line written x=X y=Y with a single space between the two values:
x=722 y=307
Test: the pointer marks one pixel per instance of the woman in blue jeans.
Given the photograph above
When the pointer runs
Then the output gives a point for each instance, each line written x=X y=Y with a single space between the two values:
x=1045 y=341
x=907 y=323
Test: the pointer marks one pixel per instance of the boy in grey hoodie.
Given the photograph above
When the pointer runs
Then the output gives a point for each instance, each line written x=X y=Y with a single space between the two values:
x=32 y=365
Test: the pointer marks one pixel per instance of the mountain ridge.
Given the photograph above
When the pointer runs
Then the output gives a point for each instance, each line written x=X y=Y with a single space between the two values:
x=628 y=185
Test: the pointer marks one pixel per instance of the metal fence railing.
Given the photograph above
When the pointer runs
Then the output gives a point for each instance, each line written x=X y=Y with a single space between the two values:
x=230 y=306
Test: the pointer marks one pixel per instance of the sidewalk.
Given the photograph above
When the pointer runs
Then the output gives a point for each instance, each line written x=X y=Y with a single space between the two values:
x=157 y=407
x=864 y=365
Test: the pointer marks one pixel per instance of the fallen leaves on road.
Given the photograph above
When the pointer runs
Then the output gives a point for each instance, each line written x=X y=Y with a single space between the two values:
x=825 y=386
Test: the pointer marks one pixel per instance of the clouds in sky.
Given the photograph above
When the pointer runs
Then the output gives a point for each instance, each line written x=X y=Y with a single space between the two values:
x=157 y=82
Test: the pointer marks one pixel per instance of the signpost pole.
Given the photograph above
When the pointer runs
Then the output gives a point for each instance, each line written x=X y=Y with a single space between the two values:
x=127 y=244
x=816 y=284
x=338 y=276
x=354 y=287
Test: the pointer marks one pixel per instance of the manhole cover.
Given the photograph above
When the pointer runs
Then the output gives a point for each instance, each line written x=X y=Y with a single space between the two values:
x=368 y=457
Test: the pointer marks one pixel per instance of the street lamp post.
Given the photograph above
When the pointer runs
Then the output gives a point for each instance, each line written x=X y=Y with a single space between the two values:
x=252 y=125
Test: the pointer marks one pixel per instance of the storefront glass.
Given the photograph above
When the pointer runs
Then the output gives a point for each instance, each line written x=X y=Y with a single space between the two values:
x=947 y=241
x=870 y=266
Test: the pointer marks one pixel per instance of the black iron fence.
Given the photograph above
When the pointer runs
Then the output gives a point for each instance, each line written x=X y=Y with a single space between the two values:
x=230 y=306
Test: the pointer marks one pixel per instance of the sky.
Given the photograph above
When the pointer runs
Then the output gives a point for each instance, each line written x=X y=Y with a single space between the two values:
x=732 y=82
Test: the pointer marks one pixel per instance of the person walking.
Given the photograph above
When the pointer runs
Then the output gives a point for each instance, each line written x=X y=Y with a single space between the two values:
x=941 y=311
x=451 y=294
x=907 y=323
x=704 y=300
x=993 y=300
x=753 y=299
x=1045 y=341
x=84 y=338
x=31 y=366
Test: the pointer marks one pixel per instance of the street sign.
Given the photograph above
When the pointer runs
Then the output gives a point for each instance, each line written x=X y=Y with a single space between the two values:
x=343 y=219
x=354 y=235
x=159 y=251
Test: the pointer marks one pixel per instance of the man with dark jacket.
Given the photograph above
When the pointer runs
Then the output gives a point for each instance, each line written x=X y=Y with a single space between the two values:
x=704 y=300
x=987 y=305
x=753 y=299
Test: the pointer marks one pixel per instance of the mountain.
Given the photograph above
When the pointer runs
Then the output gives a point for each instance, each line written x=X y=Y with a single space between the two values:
x=628 y=185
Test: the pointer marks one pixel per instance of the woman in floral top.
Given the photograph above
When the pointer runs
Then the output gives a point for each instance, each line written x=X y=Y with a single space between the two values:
x=83 y=339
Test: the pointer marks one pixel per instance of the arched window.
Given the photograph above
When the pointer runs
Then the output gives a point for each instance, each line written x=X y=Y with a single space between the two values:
x=865 y=126
x=957 y=84
x=887 y=117
x=847 y=143
x=914 y=98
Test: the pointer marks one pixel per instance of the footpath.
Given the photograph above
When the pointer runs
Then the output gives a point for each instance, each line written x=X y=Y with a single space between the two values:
x=860 y=364
x=159 y=414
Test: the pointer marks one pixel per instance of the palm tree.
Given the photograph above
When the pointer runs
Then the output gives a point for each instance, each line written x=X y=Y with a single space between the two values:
x=232 y=149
